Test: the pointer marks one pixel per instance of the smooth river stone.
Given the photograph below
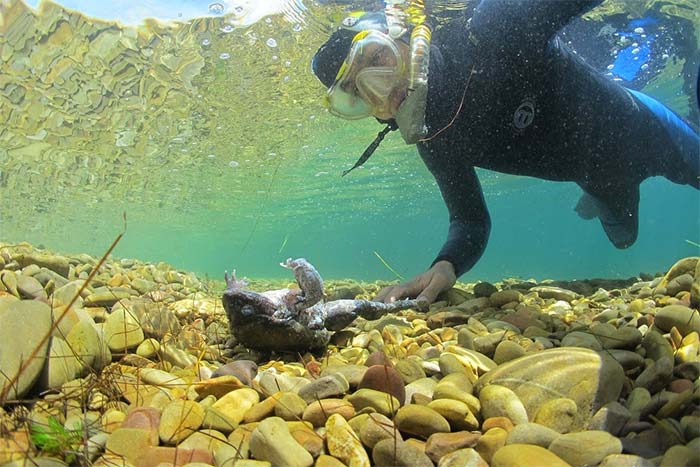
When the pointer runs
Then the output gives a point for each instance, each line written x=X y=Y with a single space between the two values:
x=500 y=401
x=22 y=326
x=271 y=441
x=588 y=378
x=586 y=447
x=526 y=455
x=122 y=330
x=685 y=319
x=343 y=442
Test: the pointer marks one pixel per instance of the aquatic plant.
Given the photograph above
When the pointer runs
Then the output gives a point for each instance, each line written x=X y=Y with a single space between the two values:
x=56 y=440
x=388 y=266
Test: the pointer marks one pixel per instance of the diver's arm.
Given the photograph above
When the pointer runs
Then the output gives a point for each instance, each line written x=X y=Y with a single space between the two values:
x=525 y=21
x=469 y=228
x=470 y=223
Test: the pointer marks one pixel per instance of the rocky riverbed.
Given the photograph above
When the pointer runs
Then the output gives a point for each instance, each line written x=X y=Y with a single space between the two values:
x=136 y=367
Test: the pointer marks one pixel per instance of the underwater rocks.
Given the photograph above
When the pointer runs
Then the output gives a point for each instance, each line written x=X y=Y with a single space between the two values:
x=526 y=374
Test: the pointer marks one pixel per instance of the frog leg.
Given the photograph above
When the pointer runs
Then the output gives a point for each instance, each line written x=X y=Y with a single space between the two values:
x=309 y=281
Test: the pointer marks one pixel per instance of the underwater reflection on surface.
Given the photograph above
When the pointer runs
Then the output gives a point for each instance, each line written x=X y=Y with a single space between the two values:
x=214 y=139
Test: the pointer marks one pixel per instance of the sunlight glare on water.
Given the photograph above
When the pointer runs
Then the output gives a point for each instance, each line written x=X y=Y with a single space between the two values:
x=203 y=122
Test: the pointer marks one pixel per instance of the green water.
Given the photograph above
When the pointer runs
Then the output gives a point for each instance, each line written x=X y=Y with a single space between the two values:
x=231 y=161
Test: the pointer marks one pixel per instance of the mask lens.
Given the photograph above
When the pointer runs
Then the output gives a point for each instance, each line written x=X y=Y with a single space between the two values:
x=367 y=79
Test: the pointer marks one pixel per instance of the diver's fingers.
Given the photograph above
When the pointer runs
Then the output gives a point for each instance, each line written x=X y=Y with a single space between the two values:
x=432 y=290
x=383 y=294
x=397 y=292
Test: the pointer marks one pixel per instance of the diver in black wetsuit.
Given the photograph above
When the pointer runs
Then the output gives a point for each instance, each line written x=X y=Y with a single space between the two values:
x=505 y=94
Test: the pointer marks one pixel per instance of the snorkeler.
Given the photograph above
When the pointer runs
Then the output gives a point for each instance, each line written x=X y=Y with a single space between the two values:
x=504 y=93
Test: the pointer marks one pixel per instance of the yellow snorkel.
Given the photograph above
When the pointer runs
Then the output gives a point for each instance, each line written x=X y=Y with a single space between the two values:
x=410 y=116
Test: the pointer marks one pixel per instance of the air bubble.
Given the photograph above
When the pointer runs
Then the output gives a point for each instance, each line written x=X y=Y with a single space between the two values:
x=206 y=42
x=635 y=51
x=268 y=20
x=216 y=9
x=611 y=66
x=665 y=56
x=233 y=164
x=271 y=42
x=226 y=29
x=639 y=30
x=274 y=58
x=296 y=27
x=224 y=56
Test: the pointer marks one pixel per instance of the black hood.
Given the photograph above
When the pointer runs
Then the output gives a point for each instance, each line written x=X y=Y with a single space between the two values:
x=331 y=55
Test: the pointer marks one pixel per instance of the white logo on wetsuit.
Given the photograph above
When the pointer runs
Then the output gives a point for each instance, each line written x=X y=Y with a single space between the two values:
x=524 y=115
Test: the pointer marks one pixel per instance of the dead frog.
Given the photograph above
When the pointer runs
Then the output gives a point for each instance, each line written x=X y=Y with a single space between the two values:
x=295 y=319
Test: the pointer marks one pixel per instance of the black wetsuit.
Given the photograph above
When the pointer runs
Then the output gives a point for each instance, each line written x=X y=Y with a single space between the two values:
x=533 y=107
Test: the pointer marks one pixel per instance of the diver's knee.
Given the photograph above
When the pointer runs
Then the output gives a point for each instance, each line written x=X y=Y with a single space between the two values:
x=622 y=244
x=620 y=236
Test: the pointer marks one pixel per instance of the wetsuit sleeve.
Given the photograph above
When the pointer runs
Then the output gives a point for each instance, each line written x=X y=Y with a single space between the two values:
x=470 y=223
x=524 y=22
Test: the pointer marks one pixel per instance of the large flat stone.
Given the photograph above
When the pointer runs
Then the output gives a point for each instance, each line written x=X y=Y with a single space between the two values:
x=23 y=323
x=588 y=378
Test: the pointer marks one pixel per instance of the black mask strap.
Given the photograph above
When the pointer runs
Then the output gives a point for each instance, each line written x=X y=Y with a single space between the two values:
x=390 y=126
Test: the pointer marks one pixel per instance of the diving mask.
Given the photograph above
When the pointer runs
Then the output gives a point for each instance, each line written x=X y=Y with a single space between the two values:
x=372 y=80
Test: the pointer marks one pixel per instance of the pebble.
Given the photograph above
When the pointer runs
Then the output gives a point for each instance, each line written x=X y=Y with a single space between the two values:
x=272 y=442
x=685 y=319
x=386 y=379
x=467 y=457
x=490 y=442
x=179 y=419
x=318 y=412
x=680 y=455
x=500 y=422
x=440 y=444
x=343 y=442
x=503 y=297
x=23 y=324
x=556 y=293
x=324 y=387
x=558 y=414
x=290 y=406
x=526 y=455
x=656 y=376
x=262 y=409
x=585 y=340
x=379 y=401
x=122 y=330
x=420 y=421
x=585 y=447
x=532 y=433
x=244 y=370
x=657 y=346
x=507 y=351
x=399 y=453
x=499 y=401
x=612 y=417
x=226 y=413
x=457 y=413
x=374 y=428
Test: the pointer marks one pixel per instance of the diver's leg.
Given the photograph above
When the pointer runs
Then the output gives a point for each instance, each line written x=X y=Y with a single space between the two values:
x=617 y=207
x=679 y=143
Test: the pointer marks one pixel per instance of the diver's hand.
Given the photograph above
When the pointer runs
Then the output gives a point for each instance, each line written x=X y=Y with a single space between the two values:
x=425 y=287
